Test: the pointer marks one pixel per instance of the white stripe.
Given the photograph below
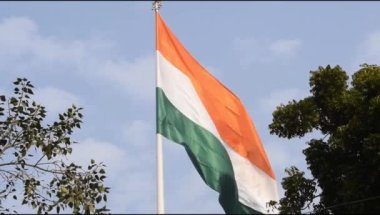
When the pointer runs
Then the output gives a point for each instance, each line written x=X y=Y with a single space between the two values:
x=255 y=187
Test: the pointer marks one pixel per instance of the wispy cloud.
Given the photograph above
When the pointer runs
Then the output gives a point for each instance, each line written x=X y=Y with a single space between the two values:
x=136 y=77
x=130 y=177
x=2 y=91
x=56 y=100
x=252 y=50
x=22 y=41
x=90 y=148
x=135 y=133
x=285 y=48
x=269 y=102
x=369 y=50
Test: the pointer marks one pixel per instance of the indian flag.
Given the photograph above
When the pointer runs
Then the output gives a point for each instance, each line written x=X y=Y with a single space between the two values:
x=197 y=111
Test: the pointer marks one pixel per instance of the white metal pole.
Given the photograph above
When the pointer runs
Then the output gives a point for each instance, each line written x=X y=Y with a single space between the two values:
x=160 y=177
x=160 y=162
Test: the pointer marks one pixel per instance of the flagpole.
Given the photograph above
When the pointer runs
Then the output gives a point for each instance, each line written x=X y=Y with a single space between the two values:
x=160 y=164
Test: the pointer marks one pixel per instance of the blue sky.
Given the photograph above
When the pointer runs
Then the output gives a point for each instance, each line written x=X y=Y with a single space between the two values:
x=100 y=55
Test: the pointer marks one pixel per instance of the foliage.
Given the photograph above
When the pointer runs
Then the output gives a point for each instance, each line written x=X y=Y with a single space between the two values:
x=345 y=162
x=32 y=158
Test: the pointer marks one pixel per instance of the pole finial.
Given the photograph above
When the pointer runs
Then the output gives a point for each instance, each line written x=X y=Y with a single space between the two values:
x=156 y=5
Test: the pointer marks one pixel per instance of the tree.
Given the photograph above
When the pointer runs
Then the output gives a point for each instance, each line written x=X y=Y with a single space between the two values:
x=32 y=164
x=345 y=161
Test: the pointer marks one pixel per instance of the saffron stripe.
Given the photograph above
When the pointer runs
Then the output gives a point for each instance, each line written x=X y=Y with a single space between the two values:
x=225 y=109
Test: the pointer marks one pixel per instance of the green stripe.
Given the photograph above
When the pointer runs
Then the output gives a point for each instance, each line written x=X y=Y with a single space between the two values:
x=206 y=152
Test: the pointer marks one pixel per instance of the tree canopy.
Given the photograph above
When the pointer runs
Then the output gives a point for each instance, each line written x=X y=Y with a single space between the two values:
x=345 y=161
x=33 y=168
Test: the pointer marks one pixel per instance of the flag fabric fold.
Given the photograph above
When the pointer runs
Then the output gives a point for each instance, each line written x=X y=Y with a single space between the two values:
x=197 y=111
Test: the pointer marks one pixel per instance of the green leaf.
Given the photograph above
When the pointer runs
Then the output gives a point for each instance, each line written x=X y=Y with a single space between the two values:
x=33 y=137
x=98 y=199
x=13 y=101
x=343 y=156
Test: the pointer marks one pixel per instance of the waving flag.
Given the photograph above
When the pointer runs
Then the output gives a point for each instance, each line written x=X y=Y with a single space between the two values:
x=197 y=111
